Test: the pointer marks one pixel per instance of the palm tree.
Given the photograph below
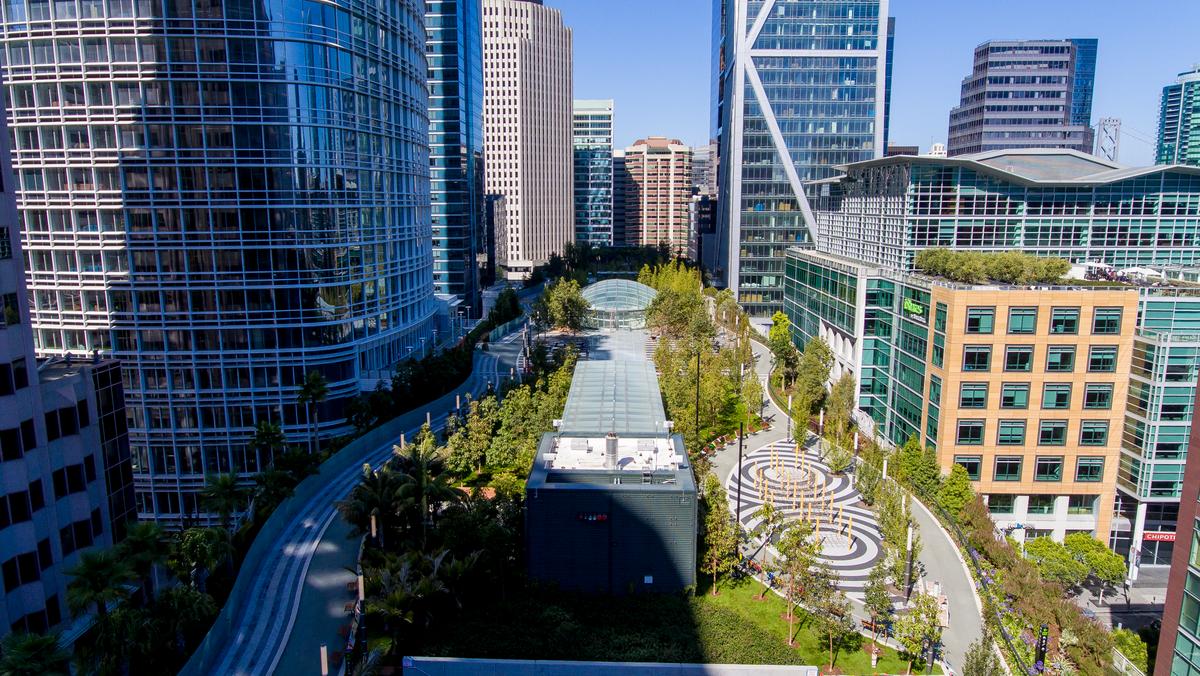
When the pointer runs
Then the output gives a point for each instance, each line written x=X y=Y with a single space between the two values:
x=145 y=546
x=405 y=593
x=97 y=580
x=377 y=493
x=32 y=655
x=198 y=551
x=272 y=486
x=186 y=613
x=224 y=495
x=426 y=483
x=267 y=440
x=314 y=391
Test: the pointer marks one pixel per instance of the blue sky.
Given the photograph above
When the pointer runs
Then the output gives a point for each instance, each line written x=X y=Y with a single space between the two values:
x=652 y=57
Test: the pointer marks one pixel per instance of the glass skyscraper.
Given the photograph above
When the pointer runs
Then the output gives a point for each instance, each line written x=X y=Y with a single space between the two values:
x=1179 y=121
x=801 y=86
x=225 y=195
x=454 y=47
x=593 y=140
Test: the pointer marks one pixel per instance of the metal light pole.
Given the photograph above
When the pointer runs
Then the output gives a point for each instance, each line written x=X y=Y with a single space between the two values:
x=324 y=660
x=908 y=568
x=789 y=416
x=737 y=516
x=697 y=397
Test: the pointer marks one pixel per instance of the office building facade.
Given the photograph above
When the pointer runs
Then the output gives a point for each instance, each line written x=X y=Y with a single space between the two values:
x=620 y=181
x=453 y=40
x=1046 y=202
x=64 y=457
x=224 y=213
x=527 y=121
x=658 y=194
x=1026 y=391
x=799 y=88
x=593 y=147
x=1179 y=641
x=1026 y=94
x=1179 y=121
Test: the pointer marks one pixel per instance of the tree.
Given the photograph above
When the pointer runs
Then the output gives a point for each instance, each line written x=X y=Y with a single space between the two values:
x=843 y=398
x=956 y=490
x=834 y=621
x=1055 y=563
x=980 y=659
x=917 y=465
x=813 y=370
x=562 y=305
x=425 y=483
x=224 y=495
x=1102 y=564
x=920 y=629
x=720 y=546
x=33 y=655
x=877 y=598
x=185 y=615
x=799 y=550
x=468 y=446
x=97 y=580
x=312 y=392
x=769 y=523
x=267 y=440
x=197 y=552
x=144 y=547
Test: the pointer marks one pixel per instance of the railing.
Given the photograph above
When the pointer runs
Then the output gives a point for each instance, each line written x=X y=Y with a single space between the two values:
x=506 y=328
x=1122 y=664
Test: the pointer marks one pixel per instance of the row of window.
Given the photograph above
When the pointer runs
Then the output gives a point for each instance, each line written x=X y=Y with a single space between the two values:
x=1088 y=469
x=13 y=376
x=39 y=621
x=81 y=534
x=15 y=442
x=1050 y=433
x=1054 y=395
x=27 y=568
x=19 y=506
x=1106 y=321
x=68 y=420
x=74 y=478
x=1059 y=358
x=1041 y=504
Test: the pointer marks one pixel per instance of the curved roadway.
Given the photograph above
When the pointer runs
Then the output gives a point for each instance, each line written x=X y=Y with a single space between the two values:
x=269 y=624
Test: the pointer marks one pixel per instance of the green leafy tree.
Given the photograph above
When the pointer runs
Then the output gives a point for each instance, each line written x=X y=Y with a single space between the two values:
x=98 y=579
x=1103 y=565
x=225 y=495
x=720 y=541
x=799 y=549
x=980 y=659
x=956 y=490
x=33 y=655
x=1133 y=648
x=877 y=599
x=197 y=552
x=562 y=305
x=312 y=393
x=770 y=521
x=834 y=622
x=919 y=629
x=918 y=467
x=1055 y=563
x=813 y=370
x=468 y=446
x=843 y=398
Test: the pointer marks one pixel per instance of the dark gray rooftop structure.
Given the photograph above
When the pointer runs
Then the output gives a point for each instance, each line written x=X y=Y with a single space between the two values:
x=611 y=500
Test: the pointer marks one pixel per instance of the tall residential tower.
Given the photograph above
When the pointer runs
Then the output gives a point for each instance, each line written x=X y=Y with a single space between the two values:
x=1026 y=94
x=1179 y=121
x=454 y=49
x=527 y=105
x=800 y=86
x=224 y=200
x=593 y=135
x=658 y=194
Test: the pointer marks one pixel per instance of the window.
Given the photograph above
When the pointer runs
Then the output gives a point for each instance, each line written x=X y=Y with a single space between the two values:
x=935 y=390
x=5 y=244
x=977 y=358
x=1022 y=320
x=1102 y=359
x=1089 y=468
x=1106 y=321
x=1093 y=433
x=1008 y=468
x=1001 y=504
x=939 y=317
x=1098 y=395
x=1014 y=395
x=970 y=432
x=981 y=319
x=972 y=463
x=1052 y=433
x=1041 y=504
x=1011 y=433
x=1060 y=359
x=973 y=395
x=1064 y=320
x=1018 y=358
x=1081 y=504
x=1048 y=468
x=1056 y=395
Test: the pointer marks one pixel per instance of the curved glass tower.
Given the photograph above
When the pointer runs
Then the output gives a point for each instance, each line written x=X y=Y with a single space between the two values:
x=225 y=195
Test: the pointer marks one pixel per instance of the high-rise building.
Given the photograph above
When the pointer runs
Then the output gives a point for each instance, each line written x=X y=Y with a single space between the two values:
x=527 y=120
x=1047 y=202
x=64 y=454
x=1026 y=94
x=620 y=181
x=704 y=169
x=800 y=87
x=223 y=213
x=658 y=193
x=593 y=139
x=1179 y=121
x=1179 y=643
x=454 y=48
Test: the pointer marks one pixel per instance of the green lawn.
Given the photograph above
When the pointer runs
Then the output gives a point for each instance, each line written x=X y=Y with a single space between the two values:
x=732 y=628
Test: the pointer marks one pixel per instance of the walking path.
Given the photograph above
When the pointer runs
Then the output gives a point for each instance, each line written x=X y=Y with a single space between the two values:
x=298 y=591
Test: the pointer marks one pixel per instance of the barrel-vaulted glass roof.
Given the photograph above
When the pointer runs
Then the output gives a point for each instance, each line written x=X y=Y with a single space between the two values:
x=620 y=396
x=618 y=294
